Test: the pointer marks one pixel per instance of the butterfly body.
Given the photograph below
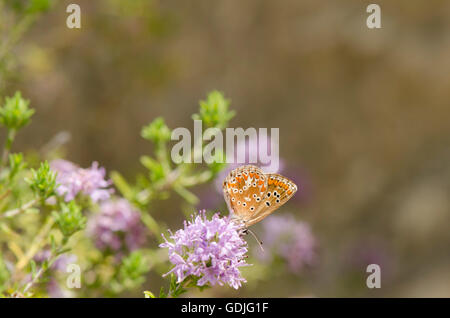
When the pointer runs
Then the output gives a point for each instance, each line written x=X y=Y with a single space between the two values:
x=252 y=195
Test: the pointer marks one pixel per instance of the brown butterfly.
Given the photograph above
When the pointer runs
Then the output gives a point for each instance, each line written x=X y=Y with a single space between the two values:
x=251 y=194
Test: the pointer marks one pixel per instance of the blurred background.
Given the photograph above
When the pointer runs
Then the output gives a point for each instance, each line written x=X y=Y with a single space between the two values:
x=364 y=117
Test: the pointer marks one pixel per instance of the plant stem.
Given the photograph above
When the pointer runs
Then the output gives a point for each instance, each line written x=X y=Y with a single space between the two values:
x=34 y=248
x=178 y=287
x=14 y=212
x=8 y=144
x=5 y=194
x=151 y=224
x=201 y=178
x=35 y=279
x=185 y=194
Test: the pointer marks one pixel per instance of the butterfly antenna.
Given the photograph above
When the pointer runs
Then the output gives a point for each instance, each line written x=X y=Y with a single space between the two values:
x=260 y=243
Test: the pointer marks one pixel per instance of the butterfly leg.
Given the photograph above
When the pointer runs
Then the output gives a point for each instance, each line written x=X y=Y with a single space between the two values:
x=243 y=231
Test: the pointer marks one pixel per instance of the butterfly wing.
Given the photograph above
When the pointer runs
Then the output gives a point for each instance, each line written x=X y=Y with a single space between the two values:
x=244 y=189
x=279 y=190
x=252 y=195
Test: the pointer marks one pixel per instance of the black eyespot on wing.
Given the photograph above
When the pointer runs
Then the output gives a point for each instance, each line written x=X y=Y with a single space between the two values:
x=267 y=203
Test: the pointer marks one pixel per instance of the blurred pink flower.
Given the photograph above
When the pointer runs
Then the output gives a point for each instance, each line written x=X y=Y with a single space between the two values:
x=72 y=180
x=117 y=227
x=60 y=264
x=292 y=240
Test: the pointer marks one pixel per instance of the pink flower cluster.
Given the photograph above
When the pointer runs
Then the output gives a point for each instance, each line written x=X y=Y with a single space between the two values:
x=73 y=180
x=292 y=240
x=210 y=250
x=117 y=227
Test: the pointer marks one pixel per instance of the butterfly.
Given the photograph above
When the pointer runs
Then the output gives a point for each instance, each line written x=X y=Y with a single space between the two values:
x=251 y=194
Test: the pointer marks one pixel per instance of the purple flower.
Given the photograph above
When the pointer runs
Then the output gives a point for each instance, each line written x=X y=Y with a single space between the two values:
x=63 y=261
x=60 y=264
x=117 y=227
x=211 y=250
x=289 y=239
x=73 y=180
x=54 y=290
x=63 y=166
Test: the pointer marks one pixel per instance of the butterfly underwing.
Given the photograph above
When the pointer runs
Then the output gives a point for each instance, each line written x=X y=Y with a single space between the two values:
x=251 y=194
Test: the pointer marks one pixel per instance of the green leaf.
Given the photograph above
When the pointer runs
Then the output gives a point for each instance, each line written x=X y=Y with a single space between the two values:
x=52 y=243
x=148 y=294
x=162 y=294
x=37 y=6
x=70 y=219
x=157 y=131
x=214 y=111
x=43 y=181
x=16 y=164
x=33 y=268
x=15 y=113
x=156 y=169
x=132 y=270
x=219 y=162
x=186 y=194
x=4 y=273
x=122 y=185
